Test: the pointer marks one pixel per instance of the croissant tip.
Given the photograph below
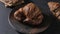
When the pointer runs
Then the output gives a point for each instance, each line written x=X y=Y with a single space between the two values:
x=53 y=5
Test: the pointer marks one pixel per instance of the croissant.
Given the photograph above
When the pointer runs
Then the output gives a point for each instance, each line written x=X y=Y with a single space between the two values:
x=31 y=12
x=12 y=2
x=55 y=9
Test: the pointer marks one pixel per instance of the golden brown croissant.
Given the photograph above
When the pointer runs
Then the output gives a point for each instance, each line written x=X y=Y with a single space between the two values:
x=31 y=12
x=55 y=9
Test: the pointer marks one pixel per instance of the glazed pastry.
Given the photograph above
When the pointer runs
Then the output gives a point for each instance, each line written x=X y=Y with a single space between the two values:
x=31 y=13
x=55 y=9
x=12 y=2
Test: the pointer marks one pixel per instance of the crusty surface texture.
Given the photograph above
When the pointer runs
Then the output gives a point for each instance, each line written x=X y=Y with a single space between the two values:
x=12 y=2
x=55 y=9
x=31 y=12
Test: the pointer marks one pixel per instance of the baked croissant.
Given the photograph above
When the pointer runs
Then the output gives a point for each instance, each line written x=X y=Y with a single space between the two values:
x=55 y=9
x=12 y=2
x=31 y=13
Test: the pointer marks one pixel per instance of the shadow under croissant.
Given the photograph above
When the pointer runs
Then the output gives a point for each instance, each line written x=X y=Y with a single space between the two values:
x=46 y=22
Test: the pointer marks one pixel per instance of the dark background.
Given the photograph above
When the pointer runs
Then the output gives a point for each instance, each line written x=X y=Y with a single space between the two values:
x=5 y=28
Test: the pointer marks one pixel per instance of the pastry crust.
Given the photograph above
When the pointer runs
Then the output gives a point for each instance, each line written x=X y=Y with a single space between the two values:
x=32 y=14
x=12 y=2
x=55 y=9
